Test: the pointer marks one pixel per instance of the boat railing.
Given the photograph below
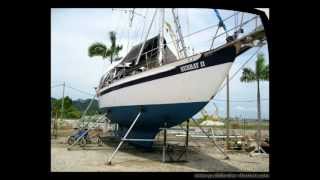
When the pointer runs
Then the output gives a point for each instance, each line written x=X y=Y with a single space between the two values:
x=135 y=70
x=154 y=63
x=148 y=65
x=211 y=39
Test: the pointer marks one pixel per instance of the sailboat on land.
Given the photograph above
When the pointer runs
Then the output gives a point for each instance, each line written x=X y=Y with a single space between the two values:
x=165 y=87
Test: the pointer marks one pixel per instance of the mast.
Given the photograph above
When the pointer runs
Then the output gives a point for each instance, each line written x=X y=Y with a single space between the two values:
x=161 y=41
x=137 y=61
x=178 y=27
x=173 y=37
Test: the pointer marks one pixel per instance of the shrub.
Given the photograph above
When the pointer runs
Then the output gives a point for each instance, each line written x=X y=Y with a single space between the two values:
x=234 y=125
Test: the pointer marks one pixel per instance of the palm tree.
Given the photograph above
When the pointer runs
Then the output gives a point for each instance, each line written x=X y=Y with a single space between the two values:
x=261 y=73
x=99 y=49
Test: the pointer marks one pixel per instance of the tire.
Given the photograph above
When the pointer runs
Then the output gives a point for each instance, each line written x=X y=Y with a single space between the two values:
x=71 y=140
x=88 y=140
x=82 y=142
x=100 y=143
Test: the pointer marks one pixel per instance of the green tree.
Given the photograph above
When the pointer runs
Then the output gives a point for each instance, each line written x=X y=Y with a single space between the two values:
x=261 y=73
x=100 y=49
x=70 y=111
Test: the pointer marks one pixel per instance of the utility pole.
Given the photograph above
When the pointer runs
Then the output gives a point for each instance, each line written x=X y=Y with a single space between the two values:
x=244 y=127
x=52 y=127
x=228 y=115
x=62 y=104
x=259 y=116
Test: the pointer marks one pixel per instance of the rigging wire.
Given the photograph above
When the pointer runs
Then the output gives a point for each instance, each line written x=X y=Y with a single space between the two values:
x=83 y=92
x=198 y=41
x=121 y=29
x=136 y=33
x=187 y=21
x=188 y=29
x=235 y=22
x=242 y=66
x=128 y=42
x=257 y=22
x=209 y=27
x=241 y=22
x=117 y=24
x=130 y=27
x=57 y=85
x=143 y=29
x=186 y=36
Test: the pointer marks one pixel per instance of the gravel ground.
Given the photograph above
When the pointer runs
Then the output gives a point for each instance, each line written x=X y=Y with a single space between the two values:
x=205 y=158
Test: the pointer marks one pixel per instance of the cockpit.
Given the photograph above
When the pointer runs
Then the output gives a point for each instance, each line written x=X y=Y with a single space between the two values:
x=149 y=59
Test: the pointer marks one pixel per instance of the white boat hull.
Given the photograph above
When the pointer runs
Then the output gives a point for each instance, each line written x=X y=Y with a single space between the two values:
x=169 y=94
x=194 y=86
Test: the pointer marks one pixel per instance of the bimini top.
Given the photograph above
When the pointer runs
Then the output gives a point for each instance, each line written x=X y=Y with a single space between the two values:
x=150 y=50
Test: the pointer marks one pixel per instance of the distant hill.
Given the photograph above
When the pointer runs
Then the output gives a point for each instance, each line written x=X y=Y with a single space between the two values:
x=74 y=108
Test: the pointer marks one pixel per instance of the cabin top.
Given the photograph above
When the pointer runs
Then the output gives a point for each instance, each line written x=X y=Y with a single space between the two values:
x=148 y=60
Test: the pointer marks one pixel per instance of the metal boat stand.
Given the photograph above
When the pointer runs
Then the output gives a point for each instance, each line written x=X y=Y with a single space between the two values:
x=212 y=140
x=166 y=148
x=125 y=139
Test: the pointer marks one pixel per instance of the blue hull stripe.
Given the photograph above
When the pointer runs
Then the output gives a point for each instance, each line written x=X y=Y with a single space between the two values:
x=151 y=119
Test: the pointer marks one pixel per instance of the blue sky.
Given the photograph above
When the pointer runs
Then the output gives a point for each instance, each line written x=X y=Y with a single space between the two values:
x=73 y=30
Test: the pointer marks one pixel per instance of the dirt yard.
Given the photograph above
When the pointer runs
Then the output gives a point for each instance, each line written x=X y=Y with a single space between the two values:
x=201 y=158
